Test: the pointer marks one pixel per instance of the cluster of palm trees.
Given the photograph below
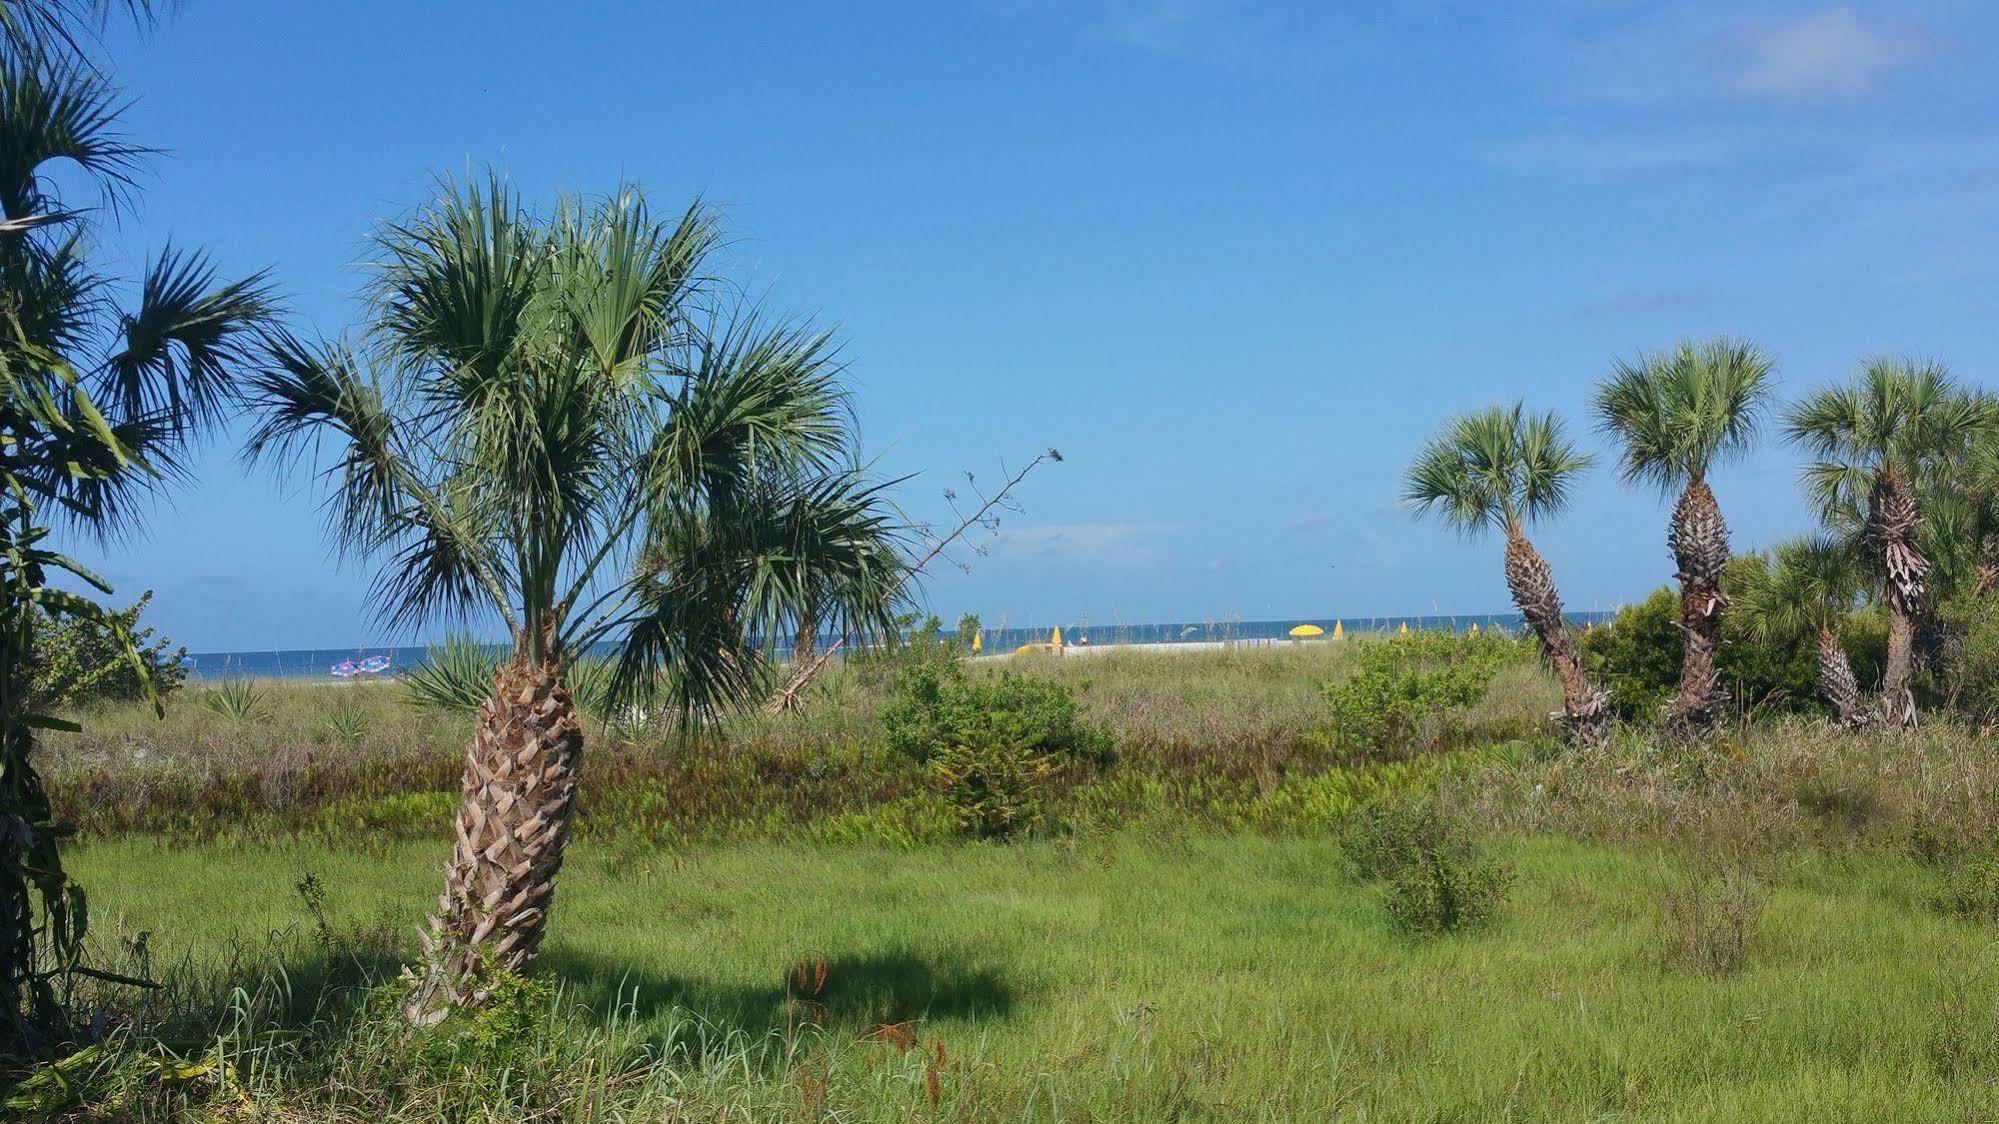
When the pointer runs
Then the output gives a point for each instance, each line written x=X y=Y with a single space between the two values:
x=1904 y=477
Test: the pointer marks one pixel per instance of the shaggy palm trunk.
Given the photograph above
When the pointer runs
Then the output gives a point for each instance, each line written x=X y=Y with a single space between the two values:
x=1699 y=540
x=1892 y=513
x=1585 y=710
x=1837 y=682
x=1988 y=563
x=807 y=644
x=516 y=799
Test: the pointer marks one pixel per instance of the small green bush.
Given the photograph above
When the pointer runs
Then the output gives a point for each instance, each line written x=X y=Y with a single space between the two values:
x=1439 y=879
x=81 y=662
x=1970 y=671
x=1410 y=692
x=995 y=786
x=938 y=706
x=989 y=745
x=1971 y=890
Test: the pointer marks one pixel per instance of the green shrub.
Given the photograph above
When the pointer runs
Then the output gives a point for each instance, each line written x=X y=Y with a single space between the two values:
x=1971 y=890
x=1412 y=691
x=1970 y=671
x=1439 y=878
x=238 y=700
x=989 y=745
x=938 y=706
x=1448 y=890
x=455 y=675
x=1635 y=656
x=995 y=786
x=81 y=662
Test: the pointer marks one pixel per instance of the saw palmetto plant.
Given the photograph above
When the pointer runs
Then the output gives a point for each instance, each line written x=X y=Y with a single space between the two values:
x=1879 y=442
x=1503 y=469
x=1807 y=590
x=560 y=423
x=1675 y=415
x=103 y=386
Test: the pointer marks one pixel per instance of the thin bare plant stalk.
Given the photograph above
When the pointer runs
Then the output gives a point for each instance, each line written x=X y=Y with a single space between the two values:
x=805 y=670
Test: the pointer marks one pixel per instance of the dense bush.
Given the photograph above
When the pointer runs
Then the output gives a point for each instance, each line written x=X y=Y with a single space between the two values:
x=1635 y=656
x=989 y=745
x=1970 y=671
x=937 y=707
x=1412 y=692
x=1439 y=879
x=80 y=662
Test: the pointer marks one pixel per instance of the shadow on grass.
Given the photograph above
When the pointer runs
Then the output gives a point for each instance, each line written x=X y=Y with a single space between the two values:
x=855 y=993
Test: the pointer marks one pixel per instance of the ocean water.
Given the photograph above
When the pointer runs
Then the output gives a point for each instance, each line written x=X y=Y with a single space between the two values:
x=317 y=663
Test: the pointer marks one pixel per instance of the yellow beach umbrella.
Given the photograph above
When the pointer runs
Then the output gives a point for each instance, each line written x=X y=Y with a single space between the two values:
x=1056 y=639
x=1308 y=630
x=1339 y=630
x=1474 y=628
x=978 y=644
x=1403 y=630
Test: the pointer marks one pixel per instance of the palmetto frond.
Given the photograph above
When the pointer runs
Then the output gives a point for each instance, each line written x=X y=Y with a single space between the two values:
x=752 y=399
x=186 y=342
x=54 y=108
x=61 y=27
x=1496 y=468
x=543 y=420
x=1677 y=413
x=1807 y=585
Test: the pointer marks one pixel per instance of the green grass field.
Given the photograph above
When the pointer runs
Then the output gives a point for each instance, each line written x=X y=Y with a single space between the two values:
x=1143 y=978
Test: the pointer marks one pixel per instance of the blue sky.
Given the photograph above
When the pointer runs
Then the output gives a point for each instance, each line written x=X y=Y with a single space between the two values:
x=1237 y=260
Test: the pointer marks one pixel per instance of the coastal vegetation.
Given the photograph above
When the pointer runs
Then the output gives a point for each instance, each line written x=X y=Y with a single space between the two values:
x=1729 y=855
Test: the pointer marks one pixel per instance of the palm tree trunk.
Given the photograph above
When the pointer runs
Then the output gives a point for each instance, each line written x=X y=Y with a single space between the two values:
x=807 y=644
x=517 y=797
x=1892 y=513
x=1988 y=563
x=1699 y=540
x=1585 y=710
x=1837 y=682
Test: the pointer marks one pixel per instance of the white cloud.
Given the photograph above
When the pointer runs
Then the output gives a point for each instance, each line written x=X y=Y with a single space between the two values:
x=1828 y=56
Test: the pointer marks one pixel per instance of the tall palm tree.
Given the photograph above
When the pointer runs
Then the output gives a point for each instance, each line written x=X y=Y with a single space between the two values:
x=1808 y=588
x=1501 y=469
x=102 y=391
x=1879 y=440
x=547 y=422
x=1676 y=415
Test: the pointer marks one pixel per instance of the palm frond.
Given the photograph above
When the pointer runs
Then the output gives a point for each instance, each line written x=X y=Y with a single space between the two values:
x=187 y=343
x=1677 y=413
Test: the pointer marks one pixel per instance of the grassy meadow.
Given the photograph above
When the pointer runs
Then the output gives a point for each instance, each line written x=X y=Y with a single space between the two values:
x=781 y=921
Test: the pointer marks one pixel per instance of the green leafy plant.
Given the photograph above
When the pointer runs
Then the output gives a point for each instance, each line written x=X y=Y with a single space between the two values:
x=1439 y=879
x=1410 y=692
x=1971 y=890
x=455 y=676
x=938 y=706
x=990 y=745
x=345 y=724
x=237 y=700
x=81 y=661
